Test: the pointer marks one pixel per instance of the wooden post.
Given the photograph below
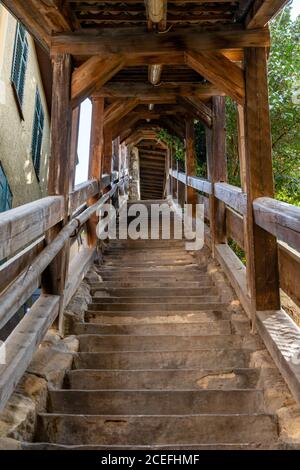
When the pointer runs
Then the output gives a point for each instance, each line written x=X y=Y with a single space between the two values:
x=107 y=154
x=61 y=175
x=262 y=260
x=217 y=170
x=74 y=146
x=190 y=162
x=95 y=161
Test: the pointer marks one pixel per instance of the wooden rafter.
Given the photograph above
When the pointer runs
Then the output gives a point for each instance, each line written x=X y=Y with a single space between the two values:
x=143 y=43
x=148 y=93
x=92 y=75
x=261 y=12
x=197 y=108
x=223 y=73
x=118 y=110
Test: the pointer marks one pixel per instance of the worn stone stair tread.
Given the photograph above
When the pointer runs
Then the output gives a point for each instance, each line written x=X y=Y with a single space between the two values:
x=201 y=358
x=99 y=302
x=223 y=446
x=115 y=317
x=203 y=327
x=155 y=308
x=98 y=343
x=163 y=292
x=155 y=429
x=165 y=379
x=153 y=402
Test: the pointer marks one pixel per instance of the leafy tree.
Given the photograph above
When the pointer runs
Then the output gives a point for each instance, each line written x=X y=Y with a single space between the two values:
x=284 y=91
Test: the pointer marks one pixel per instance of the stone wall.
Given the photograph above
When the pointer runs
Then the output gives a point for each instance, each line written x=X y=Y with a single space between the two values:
x=15 y=132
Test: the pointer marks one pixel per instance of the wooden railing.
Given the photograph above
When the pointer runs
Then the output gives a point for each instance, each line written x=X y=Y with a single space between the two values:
x=22 y=240
x=278 y=218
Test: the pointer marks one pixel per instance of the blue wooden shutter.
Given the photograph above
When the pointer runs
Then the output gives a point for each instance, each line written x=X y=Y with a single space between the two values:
x=5 y=192
x=37 y=133
x=19 y=63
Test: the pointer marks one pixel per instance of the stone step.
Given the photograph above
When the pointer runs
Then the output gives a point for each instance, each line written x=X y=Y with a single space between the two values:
x=197 y=305
x=254 y=446
x=149 y=292
x=151 y=284
x=154 y=316
x=163 y=266
x=105 y=301
x=167 y=379
x=149 y=276
x=201 y=358
x=192 y=328
x=157 y=430
x=98 y=343
x=154 y=402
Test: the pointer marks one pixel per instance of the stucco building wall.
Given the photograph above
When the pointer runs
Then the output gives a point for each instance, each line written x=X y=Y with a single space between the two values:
x=15 y=133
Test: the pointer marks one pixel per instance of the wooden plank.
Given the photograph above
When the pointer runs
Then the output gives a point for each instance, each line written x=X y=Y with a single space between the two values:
x=146 y=92
x=278 y=218
x=142 y=43
x=282 y=338
x=77 y=270
x=95 y=161
x=197 y=108
x=61 y=174
x=119 y=109
x=190 y=163
x=217 y=171
x=107 y=154
x=262 y=262
x=224 y=74
x=19 y=226
x=23 y=342
x=233 y=196
x=262 y=11
x=235 y=227
x=200 y=184
x=289 y=271
x=236 y=273
x=92 y=75
x=10 y=270
x=82 y=192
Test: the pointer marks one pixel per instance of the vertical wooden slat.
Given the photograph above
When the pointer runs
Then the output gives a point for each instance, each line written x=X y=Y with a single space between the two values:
x=107 y=154
x=74 y=146
x=217 y=169
x=61 y=174
x=262 y=256
x=190 y=162
x=95 y=161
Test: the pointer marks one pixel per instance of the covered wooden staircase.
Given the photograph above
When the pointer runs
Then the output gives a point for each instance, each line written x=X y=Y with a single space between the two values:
x=165 y=360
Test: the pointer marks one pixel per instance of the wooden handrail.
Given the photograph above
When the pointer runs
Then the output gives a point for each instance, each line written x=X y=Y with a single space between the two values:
x=19 y=291
x=82 y=192
x=20 y=226
x=232 y=196
x=280 y=219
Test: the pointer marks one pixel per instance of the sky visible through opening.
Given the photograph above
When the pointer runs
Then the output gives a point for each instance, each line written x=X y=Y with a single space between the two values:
x=86 y=118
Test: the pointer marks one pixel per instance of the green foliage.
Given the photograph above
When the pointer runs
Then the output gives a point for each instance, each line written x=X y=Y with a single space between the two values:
x=284 y=92
x=174 y=143
x=237 y=250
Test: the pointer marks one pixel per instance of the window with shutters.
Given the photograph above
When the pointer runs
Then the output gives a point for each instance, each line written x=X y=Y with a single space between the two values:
x=19 y=63
x=5 y=192
x=37 y=133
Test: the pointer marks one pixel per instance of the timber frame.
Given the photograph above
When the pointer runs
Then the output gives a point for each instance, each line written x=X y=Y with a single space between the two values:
x=144 y=75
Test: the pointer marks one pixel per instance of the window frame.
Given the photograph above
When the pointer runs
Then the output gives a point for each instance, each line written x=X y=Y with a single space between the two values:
x=18 y=78
x=37 y=133
x=8 y=195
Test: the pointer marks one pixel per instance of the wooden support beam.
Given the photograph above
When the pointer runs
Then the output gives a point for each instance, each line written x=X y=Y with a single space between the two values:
x=197 y=108
x=118 y=110
x=190 y=163
x=262 y=260
x=107 y=155
x=217 y=171
x=60 y=171
x=262 y=11
x=92 y=75
x=95 y=160
x=139 y=42
x=220 y=71
x=147 y=92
